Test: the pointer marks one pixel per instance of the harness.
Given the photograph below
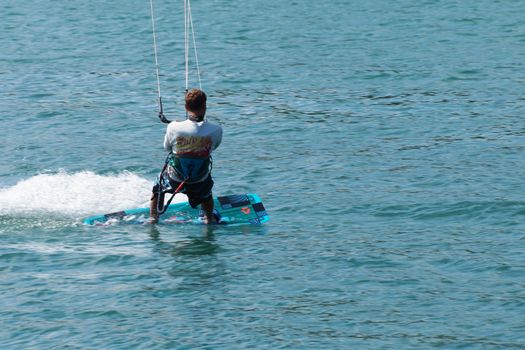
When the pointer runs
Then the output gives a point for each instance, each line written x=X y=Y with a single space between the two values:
x=188 y=168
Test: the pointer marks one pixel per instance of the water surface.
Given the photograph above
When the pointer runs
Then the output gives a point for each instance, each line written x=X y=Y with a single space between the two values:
x=386 y=140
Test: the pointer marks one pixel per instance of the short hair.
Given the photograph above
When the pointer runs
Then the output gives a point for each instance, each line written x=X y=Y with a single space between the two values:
x=195 y=100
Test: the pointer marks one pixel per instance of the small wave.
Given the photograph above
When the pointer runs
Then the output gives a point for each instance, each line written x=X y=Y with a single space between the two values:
x=492 y=211
x=20 y=222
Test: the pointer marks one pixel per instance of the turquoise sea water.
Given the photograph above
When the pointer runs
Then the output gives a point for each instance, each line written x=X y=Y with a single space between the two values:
x=386 y=139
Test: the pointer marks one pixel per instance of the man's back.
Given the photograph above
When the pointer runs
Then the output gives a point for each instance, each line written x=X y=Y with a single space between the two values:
x=192 y=138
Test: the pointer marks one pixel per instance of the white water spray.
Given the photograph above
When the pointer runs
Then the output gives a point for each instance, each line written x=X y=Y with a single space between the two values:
x=82 y=193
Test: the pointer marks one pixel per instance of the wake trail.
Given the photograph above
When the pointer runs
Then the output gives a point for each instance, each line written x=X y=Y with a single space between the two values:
x=75 y=194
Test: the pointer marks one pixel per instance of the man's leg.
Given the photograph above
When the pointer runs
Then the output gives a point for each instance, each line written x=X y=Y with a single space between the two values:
x=153 y=213
x=207 y=207
x=196 y=192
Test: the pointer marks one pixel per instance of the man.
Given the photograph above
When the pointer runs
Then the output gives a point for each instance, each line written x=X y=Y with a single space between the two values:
x=189 y=167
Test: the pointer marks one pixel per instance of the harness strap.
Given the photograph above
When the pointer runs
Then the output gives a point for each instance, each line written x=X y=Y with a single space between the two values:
x=161 y=207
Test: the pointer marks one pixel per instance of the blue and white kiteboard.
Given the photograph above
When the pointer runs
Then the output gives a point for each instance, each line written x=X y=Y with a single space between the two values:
x=234 y=210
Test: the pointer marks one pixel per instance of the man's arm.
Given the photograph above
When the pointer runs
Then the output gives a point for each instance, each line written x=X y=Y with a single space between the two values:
x=168 y=147
x=217 y=138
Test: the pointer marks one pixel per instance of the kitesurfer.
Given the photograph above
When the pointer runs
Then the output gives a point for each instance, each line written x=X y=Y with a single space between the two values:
x=188 y=168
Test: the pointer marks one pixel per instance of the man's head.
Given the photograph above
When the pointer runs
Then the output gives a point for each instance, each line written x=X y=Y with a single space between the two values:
x=196 y=102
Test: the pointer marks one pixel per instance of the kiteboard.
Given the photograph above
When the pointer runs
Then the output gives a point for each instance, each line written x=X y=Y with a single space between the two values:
x=242 y=209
